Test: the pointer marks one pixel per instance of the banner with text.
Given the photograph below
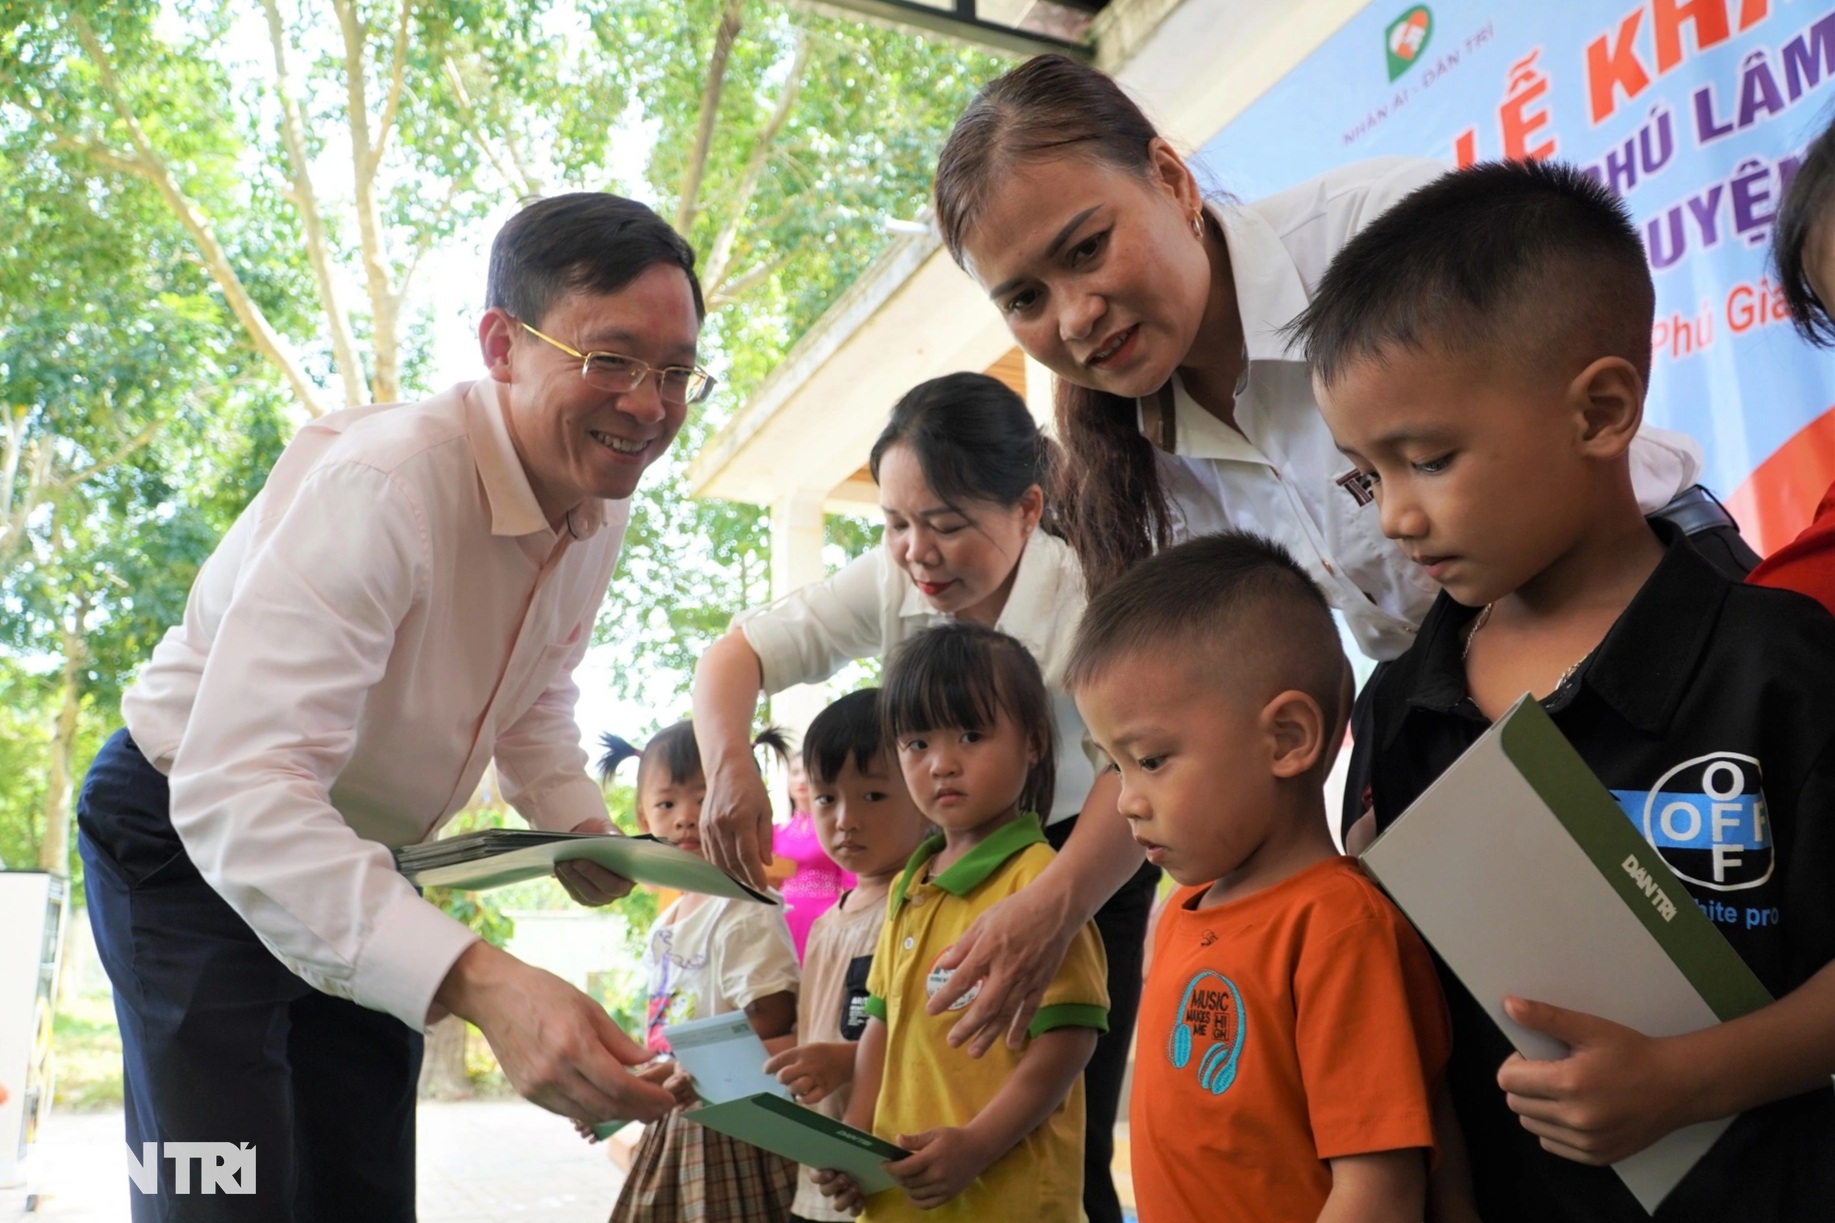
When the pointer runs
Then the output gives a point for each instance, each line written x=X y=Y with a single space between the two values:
x=1696 y=112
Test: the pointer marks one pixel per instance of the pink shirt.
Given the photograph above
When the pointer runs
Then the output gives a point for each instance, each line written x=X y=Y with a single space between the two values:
x=390 y=613
x=818 y=882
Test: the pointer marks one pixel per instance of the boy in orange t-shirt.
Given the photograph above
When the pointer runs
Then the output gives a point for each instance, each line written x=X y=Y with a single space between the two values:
x=1292 y=1032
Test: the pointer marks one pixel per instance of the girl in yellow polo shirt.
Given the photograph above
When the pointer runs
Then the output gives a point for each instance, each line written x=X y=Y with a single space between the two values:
x=1001 y=1136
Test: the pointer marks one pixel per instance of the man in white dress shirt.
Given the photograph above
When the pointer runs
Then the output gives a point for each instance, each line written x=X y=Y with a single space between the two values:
x=405 y=600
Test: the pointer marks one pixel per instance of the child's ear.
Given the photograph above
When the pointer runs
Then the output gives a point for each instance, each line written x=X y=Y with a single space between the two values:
x=1608 y=397
x=1295 y=729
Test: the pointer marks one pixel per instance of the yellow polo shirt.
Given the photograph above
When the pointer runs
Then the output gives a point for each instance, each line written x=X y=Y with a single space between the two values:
x=928 y=1085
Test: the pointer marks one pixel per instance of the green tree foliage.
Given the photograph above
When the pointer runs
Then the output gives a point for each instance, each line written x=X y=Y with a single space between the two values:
x=132 y=438
x=219 y=219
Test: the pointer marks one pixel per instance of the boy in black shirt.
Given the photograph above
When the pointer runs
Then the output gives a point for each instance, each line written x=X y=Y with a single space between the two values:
x=1480 y=353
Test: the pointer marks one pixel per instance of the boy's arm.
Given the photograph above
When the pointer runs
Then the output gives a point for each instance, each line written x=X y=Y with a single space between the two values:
x=869 y=1063
x=773 y=1017
x=1381 y=1187
x=947 y=1160
x=1617 y=1091
x=869 y=1066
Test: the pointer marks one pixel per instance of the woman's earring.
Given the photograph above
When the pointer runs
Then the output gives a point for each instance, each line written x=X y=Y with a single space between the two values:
x=1197 y=222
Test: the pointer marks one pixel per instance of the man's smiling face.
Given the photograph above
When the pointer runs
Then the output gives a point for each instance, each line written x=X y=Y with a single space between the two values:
x=576 y=441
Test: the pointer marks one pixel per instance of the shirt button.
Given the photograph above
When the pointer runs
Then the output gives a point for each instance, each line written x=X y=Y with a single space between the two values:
x=917 y=899
x=1327 y=564
x=910 y=942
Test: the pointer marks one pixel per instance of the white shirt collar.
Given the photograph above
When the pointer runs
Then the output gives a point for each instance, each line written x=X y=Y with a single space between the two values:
x=514 y=508
x=1269 y=290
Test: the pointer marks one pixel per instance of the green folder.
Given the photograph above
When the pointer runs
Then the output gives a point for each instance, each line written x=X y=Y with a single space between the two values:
x=786 y=1128
x=500 y=856
x=1523 y=872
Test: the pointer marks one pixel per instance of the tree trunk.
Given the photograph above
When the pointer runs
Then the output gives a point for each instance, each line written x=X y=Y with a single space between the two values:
x=54 y=846
x=443 y=1066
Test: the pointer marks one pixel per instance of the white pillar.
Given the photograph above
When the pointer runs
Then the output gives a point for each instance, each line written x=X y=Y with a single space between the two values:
x=796 y=561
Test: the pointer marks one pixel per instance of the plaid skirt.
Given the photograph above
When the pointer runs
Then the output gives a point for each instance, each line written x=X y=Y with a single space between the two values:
x=684 y=1172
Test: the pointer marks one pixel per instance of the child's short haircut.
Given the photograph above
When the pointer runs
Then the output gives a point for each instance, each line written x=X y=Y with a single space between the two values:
x=1807 y=214
x=1233 y=606
x=966 y=674
x=674 y=749
x=847 y=730
x=1529 y=261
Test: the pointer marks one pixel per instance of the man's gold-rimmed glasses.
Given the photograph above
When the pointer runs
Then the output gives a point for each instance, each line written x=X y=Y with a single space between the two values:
x=620 y=375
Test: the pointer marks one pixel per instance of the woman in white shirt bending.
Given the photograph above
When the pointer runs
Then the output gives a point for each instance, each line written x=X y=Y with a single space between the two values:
x=962 y=471
x=1181 y=406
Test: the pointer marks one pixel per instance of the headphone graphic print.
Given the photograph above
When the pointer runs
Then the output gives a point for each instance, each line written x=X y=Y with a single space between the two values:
x=1217 y=1068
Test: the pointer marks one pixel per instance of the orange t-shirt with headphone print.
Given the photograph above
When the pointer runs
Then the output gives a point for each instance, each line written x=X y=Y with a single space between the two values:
x=1297 y=1025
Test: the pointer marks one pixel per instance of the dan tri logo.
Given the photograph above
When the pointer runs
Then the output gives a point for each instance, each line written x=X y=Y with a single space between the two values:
x=1406 y=37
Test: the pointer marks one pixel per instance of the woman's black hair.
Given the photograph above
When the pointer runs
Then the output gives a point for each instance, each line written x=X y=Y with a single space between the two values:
x=965 y=675
x=675 y=749
x=1807 y=212
x=973 y=439
x=848 y=730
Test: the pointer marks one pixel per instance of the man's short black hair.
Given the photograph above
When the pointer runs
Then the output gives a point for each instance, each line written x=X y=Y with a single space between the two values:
x=1531 y=261
x=1805 y=215
x=847 y=730
x=1233 y=606
x=587 y=241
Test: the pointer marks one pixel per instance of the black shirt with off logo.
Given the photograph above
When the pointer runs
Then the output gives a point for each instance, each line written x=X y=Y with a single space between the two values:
x=1709 y=712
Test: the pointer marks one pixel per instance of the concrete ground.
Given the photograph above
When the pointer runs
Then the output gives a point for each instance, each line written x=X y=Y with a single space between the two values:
x=479 y=1161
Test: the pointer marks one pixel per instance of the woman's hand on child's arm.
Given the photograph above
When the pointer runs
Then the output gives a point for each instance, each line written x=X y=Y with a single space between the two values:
x=1015 y=948
x=1380 y=1187
x=814 y=1071
x=840 y=1190
x=1617 y=1091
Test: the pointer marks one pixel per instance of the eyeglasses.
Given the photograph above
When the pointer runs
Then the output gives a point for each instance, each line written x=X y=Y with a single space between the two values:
x=609 y=372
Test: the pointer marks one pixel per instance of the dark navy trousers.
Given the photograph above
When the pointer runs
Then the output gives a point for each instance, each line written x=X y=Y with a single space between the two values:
x=221 y=1043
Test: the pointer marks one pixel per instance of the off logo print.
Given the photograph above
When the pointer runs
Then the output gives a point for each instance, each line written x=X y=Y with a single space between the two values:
x=1708 y=820
x=1210 y=1017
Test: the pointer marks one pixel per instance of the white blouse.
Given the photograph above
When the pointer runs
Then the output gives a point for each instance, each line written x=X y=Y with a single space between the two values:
x=867 y=608
x=1282 y=476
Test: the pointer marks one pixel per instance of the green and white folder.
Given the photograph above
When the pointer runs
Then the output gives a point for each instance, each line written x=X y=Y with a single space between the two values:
x=499 y=856
x=726 y=1058
x=784 y=1127
x=1526 y=876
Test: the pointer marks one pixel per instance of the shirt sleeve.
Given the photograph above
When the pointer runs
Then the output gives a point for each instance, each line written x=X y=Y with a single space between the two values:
x=1373 y=1092
x=306 y=635
x=540 y=759
x=811 y=633
x=879 y=976
x=753 y=954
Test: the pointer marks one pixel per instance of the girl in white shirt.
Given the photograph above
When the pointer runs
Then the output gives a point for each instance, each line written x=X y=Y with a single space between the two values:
x=1182 y=408
x=707 y=955
x=962 y=471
